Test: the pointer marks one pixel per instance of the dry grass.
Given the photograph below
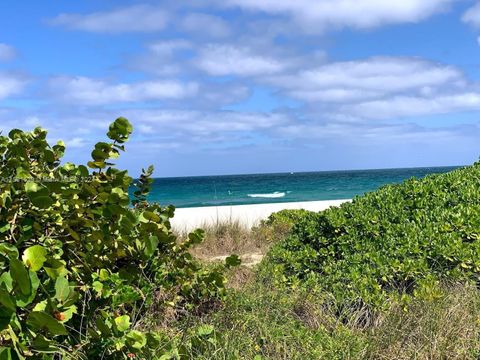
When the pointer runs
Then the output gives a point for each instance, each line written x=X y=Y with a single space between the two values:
x=446 y=328
x=299 y=325
x=232 y=237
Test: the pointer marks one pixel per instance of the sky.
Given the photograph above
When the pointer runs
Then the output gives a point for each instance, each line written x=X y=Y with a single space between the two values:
x=248 y=86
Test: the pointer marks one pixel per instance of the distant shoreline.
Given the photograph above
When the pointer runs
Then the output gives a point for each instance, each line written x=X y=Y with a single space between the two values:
x=187 y=219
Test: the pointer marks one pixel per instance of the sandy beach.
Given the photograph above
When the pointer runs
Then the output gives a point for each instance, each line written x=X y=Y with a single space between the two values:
x=187 y=219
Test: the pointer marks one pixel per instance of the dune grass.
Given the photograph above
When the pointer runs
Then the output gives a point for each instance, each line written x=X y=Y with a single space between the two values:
x=264 y=320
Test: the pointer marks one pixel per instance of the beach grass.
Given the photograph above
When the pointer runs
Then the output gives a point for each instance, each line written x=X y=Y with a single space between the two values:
x=262 y=320
x=227 y=237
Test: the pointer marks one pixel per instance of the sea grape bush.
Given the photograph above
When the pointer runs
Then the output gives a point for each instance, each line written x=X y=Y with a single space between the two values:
x=80 y=261
x=395 y=243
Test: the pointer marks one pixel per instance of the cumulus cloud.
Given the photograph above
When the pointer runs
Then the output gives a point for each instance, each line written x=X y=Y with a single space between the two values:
x=7 y=52
x=137 y=18
x=205 y=24
x=371 y=78
x=162 y=57
x=326 y=14
x=96 y=92
x=208 y=122
x=221 y=60
x=472 y=15
x=169 y=47
x=76 y=142
x=408 y=106
x=11 y=85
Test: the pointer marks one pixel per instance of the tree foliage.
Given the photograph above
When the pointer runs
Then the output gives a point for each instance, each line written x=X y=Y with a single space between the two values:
x=80 y=261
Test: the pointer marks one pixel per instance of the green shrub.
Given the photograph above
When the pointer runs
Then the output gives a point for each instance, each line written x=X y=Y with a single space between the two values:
x=80 y=261
x=285 y=217
x=397 y=242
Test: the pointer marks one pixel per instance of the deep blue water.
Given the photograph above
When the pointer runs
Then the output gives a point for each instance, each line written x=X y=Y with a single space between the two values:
x=284 y=187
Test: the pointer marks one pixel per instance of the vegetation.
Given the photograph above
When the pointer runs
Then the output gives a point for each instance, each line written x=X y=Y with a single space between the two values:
x=87 y=271
x=263 y=321
x=392 y=244
x=80 y=262
x=265 y=318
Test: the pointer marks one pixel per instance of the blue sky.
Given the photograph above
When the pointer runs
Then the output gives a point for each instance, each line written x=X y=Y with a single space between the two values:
x=248 y=86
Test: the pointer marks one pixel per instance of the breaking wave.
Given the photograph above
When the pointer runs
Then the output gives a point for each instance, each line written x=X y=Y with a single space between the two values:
x=276 y=194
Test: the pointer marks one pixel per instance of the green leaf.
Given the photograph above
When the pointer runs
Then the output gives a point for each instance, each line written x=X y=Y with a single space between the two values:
x=99 y=155
x=31 y=187
x=62 y=288
x=151 y=216
x=34 y=257
x=54 y=268
x=25 y=300
x=151 y=245
x=233 y=260
x=103 y=327
x=42 y=202
x=122 y=323
x=6 y=281
x=20 y=276
x=39 y=320
x=120 y=130
x=98 y=287
x=196 y=237
x=136 y=339
x=7 y=301
x=205 y=330
x=5 y=353
x=9 y=251
x=104 y=274
x=97 y=164
x=68 y=313
x=38 y=195
x=5 y=317
x=40 y=343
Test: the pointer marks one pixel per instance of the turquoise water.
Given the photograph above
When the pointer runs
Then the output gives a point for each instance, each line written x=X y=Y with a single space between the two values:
x=271 y=188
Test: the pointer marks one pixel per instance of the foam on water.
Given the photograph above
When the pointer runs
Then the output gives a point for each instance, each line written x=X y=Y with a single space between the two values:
x=274 y=195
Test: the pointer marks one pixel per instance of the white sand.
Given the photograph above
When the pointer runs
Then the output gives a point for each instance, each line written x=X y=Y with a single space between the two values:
x=187 y=219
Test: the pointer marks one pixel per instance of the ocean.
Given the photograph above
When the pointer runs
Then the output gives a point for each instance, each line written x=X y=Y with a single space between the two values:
x=272 y=188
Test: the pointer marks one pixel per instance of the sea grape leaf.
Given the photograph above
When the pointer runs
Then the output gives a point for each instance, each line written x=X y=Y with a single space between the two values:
x=20 y=276
x=136 y=339
x=62 y=288
x=8 y=250
x=5 y=317
x=39 y=320
x=34 y=257
x=24 y=300
x=151 y=245
x=122 y=322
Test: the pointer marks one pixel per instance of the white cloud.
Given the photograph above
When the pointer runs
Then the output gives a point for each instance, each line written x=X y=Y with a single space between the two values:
x=205 y=24
x=472 y=15
x=219 y=60
x=10 y=85
x=168 y=47
x=326 y=14
x=76 y=142
x=206 y=122
x=7 y=52
x=32 y=121
x=161 y=58
x=137 y=18
x=408 y=106
x=367 y=79
x=95 y=92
